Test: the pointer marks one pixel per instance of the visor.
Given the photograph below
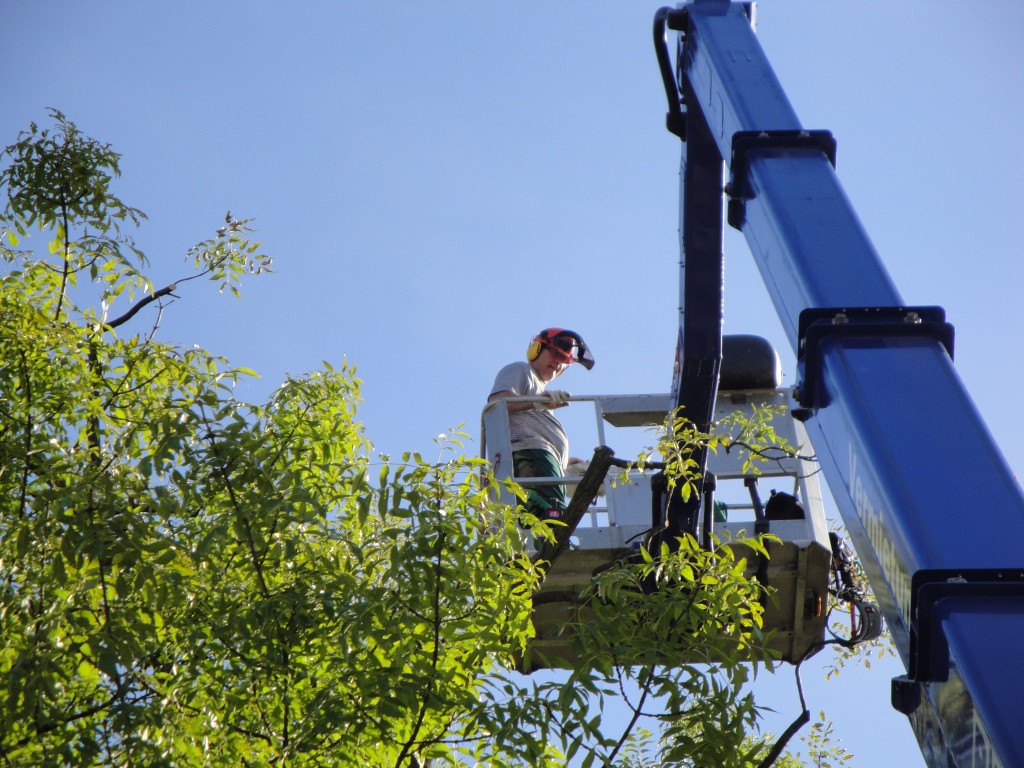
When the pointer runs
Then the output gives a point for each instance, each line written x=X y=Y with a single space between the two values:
x=571 y=345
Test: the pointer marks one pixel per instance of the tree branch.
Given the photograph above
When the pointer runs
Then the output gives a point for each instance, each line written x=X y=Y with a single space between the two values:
x=222 y=469
x=435 y=652
x=589 y=485
x=27 y=384
x=144 y=302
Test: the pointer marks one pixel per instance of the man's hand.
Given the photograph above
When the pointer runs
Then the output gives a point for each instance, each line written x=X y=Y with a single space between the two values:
x=558 y=398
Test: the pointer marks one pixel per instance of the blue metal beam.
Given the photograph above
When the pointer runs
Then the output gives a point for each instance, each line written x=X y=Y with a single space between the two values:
x=936 y=515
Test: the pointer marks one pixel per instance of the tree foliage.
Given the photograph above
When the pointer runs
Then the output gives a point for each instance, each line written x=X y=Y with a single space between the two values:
x=188 y=579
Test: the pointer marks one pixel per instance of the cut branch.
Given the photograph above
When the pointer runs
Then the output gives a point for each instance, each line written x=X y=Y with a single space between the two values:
x=586 y=491
x=167 y=290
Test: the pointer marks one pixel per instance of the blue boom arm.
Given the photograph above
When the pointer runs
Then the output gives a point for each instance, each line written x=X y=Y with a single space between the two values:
x=936 y=515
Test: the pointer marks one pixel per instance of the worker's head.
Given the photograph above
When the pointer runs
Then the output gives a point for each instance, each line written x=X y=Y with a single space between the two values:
x=554 y=349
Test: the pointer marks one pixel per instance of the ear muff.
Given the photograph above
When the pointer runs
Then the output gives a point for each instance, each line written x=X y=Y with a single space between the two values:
x=541 y=340
x=533 y=351
x=581 y=353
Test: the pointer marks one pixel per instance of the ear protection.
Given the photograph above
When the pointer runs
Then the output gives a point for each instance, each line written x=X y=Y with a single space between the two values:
x=540 y=341
x=546 y=338
x=533 y=351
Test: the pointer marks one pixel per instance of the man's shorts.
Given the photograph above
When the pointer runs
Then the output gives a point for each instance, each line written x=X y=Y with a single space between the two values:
x=544 y=501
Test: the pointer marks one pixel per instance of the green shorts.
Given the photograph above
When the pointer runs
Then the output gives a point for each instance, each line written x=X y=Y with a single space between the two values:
x=545 y=501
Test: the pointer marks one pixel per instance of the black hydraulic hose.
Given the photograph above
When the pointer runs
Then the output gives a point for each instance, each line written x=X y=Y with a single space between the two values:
x=675 y=120
x=710 y=486
x=755 y=499
x=796 y=725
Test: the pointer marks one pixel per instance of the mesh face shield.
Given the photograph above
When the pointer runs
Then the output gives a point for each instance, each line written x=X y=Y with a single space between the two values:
x=569 y=344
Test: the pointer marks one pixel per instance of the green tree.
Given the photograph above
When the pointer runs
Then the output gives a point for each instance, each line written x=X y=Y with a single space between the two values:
x=191 y=580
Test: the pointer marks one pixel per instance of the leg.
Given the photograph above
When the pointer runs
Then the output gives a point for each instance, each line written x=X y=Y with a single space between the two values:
x=545 y=501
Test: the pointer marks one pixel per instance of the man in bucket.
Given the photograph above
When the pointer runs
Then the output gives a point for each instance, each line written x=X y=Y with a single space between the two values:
x=540 y=447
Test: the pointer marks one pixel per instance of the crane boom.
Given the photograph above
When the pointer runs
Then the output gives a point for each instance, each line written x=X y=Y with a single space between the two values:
x=934 y=512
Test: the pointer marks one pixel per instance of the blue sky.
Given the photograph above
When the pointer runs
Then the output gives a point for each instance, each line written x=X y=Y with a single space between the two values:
x=439 y=181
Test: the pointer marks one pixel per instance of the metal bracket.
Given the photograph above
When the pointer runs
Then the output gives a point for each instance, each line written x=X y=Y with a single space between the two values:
x=816 y=325
x=743 y=142
x=928 y=659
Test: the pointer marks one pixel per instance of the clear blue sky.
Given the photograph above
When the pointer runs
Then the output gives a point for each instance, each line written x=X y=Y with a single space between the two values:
x=438 y=181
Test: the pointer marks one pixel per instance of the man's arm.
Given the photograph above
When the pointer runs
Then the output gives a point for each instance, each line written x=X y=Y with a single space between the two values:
x=548 y=404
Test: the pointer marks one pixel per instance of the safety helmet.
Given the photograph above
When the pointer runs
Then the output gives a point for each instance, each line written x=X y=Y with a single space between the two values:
x=568 y=343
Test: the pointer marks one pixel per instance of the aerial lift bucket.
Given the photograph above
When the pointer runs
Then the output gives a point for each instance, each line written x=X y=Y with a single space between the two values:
x=782 y=498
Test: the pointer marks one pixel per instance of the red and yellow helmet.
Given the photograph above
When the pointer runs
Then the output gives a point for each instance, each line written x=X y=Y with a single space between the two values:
x=568 y=344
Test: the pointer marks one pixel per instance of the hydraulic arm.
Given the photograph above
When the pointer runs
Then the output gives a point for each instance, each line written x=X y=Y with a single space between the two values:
x=935 y=513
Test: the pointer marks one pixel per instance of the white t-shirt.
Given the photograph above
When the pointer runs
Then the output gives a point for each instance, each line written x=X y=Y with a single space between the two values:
x=531 y=429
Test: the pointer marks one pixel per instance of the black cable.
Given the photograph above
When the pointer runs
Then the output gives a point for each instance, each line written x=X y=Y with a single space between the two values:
x=796 y=725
